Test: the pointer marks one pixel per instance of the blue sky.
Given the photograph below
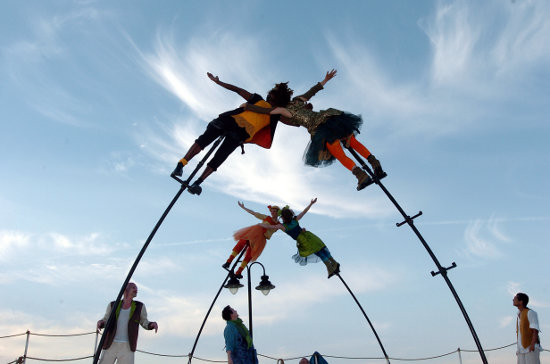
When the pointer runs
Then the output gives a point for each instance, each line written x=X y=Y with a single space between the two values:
x=99 y=100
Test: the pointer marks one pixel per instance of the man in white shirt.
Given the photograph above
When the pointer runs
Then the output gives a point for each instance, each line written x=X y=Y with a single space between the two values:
x=121 y=340
x=527 y=329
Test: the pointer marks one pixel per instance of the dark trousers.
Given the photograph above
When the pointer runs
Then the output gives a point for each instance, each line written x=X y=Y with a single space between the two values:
x=234 y=136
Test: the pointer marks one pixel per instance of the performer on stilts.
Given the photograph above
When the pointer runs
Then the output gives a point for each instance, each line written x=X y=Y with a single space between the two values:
x=256 y=235
x=238 y=126
x=311 y=248
x=329 y=129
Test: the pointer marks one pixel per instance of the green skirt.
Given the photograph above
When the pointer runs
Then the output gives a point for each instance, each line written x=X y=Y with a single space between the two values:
x=308 y=243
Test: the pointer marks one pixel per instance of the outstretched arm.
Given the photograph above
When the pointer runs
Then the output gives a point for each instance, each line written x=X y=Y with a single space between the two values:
x=318 y=87
x=274 y=227
x=267 y=110
x=251 y=212
x=244 y=94
x=301 y=214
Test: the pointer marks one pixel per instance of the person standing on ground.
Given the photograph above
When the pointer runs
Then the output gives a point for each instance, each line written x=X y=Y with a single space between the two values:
x=121 y=341
x=238 y=342
x=527 y=330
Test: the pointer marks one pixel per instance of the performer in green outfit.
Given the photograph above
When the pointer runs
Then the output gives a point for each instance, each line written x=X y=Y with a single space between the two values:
x=311 y=249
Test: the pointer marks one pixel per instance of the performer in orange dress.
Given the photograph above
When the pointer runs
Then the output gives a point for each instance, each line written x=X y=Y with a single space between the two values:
x=256 y=235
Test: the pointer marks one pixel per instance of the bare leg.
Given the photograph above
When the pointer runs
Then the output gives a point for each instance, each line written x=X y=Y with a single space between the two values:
x=193 y=151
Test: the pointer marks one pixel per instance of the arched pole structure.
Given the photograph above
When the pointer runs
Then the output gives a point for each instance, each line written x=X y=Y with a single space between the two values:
x=212 y=305
x=184 y=184
x=440 y=269
x=366 y=317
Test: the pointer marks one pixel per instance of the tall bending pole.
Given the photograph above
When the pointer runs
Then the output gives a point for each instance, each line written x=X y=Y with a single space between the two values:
x=184 y=184
x=211 y=306
x=440 y=269
x=366 y=317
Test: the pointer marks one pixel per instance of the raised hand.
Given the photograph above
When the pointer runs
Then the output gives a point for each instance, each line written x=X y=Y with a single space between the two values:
x=330 y=74
x=212 y=77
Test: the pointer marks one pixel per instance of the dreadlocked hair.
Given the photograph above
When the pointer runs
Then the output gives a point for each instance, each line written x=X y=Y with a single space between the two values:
x=281 y=94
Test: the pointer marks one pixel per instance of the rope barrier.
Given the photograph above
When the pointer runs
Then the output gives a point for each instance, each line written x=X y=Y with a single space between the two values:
x=72 y=359
x=62 y=335
x=224 y=361
x=167 y=355
x=502 y=347
x=14 y=335
x=210 y=360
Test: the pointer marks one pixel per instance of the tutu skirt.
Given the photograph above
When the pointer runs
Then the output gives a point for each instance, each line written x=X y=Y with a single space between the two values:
x=336 y=127
x=308 y=244
x=255 y=236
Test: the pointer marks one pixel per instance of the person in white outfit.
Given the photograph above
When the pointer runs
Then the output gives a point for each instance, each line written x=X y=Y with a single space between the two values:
x=527 y=330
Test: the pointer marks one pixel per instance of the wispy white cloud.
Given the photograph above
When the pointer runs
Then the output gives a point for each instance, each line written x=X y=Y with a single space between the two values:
x=30 y=62
x=482 y=239
x=453 y=34
x=514 y=287
x=478 y=60
x=524 y=40
x=478 y=46
x=11 y=241
x=506 y=321
x=410 y=109
x=182 y=68
x=368 y=78
x=46 y=256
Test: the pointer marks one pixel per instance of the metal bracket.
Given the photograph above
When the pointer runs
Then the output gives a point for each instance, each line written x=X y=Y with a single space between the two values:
x=443 y=271
x=183 y=183
x=408 y=219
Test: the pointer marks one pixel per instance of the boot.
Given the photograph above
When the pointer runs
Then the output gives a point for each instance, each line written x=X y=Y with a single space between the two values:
x=226 y=265
x=195 y=188
x=239 y=272
x=375 y=163
x=363 y=179
x=333 y=267
x=179 y=170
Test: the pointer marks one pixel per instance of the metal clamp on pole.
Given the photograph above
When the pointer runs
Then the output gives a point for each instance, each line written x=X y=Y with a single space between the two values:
x=443 y=271
x=408 y=219
x=183 y=183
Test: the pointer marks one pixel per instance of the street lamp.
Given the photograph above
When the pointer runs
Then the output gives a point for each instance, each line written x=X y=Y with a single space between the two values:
x=233 y=284
x=265 y=287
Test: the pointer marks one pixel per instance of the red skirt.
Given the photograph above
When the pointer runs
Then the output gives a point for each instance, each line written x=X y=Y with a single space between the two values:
x=255 y=235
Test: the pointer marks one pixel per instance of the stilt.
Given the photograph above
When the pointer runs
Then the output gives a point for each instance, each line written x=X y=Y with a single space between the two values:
x=440 y=269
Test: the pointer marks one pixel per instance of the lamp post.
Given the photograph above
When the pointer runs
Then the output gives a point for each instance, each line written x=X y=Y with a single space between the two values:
x=265 y=287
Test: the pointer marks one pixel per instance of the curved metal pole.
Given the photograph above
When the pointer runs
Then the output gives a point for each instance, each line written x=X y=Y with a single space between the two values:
x=441 y=270
x=210 y=309
x=368 y=320
x=111 y=320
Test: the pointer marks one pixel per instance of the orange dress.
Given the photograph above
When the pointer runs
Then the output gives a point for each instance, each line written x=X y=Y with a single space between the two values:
x=256 y=235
